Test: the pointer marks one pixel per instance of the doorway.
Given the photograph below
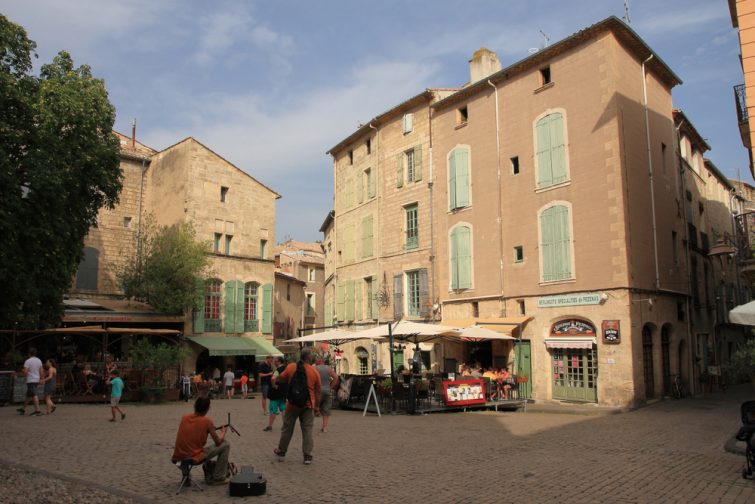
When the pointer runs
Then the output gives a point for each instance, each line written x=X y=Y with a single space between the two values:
x=574 y=374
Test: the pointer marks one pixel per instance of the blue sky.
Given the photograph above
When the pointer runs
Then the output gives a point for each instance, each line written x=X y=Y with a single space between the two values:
x=272 y=85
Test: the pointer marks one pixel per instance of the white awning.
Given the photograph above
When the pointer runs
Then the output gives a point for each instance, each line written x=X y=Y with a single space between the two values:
x=570 y=342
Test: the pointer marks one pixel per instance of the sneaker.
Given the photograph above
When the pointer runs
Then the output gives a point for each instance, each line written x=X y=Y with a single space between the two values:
x=36 y=413
x=268 y=428
x=281 y=455
x=123 y=416
x=307 y=459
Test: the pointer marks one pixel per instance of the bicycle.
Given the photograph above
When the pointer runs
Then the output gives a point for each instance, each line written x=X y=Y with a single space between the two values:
x=677 y=388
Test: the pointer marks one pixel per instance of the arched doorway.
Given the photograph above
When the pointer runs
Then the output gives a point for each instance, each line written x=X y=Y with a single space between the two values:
x=647 y=361
x=574 y=363
x=666 y=358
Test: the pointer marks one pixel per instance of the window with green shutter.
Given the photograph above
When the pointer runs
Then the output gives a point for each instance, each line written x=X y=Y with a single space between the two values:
x=212 y=306
x=251 y=322
x=370 y=182
x=367 y=236
x=340 y=301
x=550 y=150
x=458 y=178
x=234 y=307
x=461 y=258
x=398 y=297
x=360 y=187
x=416 y=155
x=349 y=300
x=413 y=293
x=555 y=243
x=411 y=226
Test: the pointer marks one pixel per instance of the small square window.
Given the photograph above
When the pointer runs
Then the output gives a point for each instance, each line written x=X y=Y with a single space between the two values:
x=263 y=246
x=462 y=115
x=522 y=307
x=223 y=194
x=351 y=157
x=127 y=222
x=216 y=242
x=545 y=76
x=518 y=254
x=368 y=144
x=515 y=165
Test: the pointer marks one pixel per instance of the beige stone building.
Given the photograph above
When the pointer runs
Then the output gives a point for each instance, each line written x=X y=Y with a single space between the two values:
x=188 y=182
x=551 y=207
x=743 y=18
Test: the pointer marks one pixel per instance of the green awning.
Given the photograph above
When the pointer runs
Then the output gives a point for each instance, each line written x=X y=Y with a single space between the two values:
x=236 y=345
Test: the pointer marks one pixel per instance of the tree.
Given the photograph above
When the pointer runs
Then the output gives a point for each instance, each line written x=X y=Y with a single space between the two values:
x=59 y=165
x=168 y=272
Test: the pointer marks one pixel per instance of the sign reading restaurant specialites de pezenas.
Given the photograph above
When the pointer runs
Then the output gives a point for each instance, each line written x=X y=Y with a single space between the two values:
x=577 y=299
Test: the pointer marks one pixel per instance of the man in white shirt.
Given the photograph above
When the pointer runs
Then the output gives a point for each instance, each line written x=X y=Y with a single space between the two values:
x=34 y=372
x=228 y=378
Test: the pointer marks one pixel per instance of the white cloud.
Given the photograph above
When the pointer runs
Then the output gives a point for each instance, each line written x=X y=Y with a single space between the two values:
x=679 y=20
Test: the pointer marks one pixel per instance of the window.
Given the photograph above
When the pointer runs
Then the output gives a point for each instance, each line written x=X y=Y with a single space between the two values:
x=550 y=150
x=515 y=165
x=310 y=305
x=412 y=293
x=263 y=246
x=408 y=123
x=545 y=76
x=251 y=322
x=522 y=308
x=310 y=274
x=555 y=244
x=370 y=178
x=518 y=254
x=461 y=258
x=409 y=162
x=228 y=239
x=127 y=222
x=369 y=312
x=458 y=178
x=367 y=236
x=212 y=306
x=363 y=356
x=663 y=156
x=411 y=227
x=223 y=194
x=216 y=242
x=351 y=157
x=86 y=277
x=462 y=115
x=288 y=292
x=409 y=156
x=368 y=145
x=475 y=309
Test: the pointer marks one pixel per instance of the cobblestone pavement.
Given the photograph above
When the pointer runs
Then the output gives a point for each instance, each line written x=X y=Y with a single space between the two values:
x=670 y=451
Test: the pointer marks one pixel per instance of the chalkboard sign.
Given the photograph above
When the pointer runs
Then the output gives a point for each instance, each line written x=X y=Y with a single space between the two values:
x=19 y=390
x=6 y=387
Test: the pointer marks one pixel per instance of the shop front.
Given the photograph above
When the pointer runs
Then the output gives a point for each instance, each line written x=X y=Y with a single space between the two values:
x=574 y=361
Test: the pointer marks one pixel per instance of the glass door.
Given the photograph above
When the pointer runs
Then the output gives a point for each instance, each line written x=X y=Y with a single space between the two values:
x=574 y=374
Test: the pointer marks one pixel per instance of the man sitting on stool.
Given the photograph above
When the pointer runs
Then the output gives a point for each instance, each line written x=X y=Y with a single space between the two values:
x=192 y=436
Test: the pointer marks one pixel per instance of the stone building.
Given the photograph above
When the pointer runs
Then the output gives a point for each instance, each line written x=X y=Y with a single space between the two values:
x=188 y=182
x=554 y=211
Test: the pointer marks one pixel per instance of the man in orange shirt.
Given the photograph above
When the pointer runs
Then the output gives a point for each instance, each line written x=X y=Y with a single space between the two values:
x=191 y=439
x=306 y=414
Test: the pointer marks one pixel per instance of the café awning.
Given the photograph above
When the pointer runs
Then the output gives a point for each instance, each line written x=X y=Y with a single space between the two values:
x=577 y=343
x=236 y=345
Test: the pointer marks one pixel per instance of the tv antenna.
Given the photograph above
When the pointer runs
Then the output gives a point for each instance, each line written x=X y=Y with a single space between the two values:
x=546 y=37
x=626 y=12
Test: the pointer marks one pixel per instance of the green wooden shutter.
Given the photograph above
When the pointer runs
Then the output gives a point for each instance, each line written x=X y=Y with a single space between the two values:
x=424 y=295
x=462 y=178
x=400 y=170
x=371 y=183
x=349 y=301
x=544 y=166
x=360 y=187
x=199 y=306
x=267 y=309
x=562 y=242
x=229 y=312
x=398 y=298
x=454 y=259
x=546 y=245
x=358 y=300
x=558 y=148
x=239 y=306
x=452 y=180
x=340 y=301
x=367 y=236
x=374 y=300
x=464 y=257
x=418 y=163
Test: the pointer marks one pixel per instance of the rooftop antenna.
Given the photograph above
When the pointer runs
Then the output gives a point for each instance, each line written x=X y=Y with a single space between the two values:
x=626 y=12
x=546 y=37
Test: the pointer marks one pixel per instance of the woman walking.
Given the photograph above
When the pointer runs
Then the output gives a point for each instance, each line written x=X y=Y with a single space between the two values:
x=50 y=384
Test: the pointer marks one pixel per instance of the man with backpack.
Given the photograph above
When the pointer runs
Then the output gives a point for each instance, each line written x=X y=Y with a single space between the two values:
x=303 y=399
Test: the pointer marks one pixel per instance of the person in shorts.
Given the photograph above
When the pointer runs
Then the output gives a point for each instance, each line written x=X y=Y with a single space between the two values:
x=244 y=385
x=116 y=390
x=277 y=394
x=265 y=372
x=329 y=380
x=34 y=372
x=228 y=378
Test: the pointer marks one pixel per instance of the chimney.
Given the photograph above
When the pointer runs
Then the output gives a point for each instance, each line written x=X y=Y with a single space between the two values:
x=133 y=133
x=484 y=63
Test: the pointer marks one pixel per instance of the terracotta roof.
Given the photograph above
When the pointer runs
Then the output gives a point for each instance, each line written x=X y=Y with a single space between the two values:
x=300 y=245
x=130 y=148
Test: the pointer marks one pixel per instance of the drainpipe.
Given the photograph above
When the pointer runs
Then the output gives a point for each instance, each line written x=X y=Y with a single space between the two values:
x=139 y=222
x=376 y=241
x=650 y=173
x=500 y=202
x=430 y=185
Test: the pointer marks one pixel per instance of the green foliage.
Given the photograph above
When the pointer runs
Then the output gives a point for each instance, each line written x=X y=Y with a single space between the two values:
x=154 y=360
x=169 y=270
x=742 y=364
x=59 y=165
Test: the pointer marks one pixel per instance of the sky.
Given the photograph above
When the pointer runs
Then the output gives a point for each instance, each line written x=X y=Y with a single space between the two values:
x=272 y=85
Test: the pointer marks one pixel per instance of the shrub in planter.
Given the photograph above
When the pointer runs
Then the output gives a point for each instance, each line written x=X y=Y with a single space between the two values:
x=153 y=361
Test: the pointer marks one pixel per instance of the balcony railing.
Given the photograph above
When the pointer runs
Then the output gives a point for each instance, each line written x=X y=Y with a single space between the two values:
x=745 y=237
x=743 y=115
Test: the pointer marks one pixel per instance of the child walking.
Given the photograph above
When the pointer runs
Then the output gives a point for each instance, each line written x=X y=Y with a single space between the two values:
x=116 y=389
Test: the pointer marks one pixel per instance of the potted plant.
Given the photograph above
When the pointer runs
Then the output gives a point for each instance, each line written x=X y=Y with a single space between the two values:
x=152 y=362
x=742 y=365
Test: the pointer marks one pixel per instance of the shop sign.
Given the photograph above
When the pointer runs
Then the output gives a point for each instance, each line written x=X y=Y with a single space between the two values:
x=578 y=299
x=572 y=327
x=611 y=332
x=464 y=392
